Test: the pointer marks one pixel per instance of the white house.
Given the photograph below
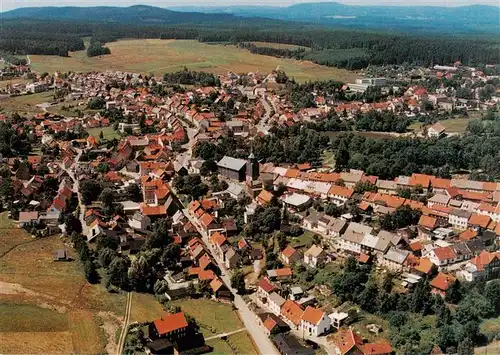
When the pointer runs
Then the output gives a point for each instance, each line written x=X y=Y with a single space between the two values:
x=436 y=130
x=274 y=302
x=459 y=218
x=314 y=256
x=139 y=221
x=314 y=322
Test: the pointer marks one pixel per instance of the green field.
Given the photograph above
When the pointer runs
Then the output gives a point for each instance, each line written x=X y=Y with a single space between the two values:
x=108 y=132
x=212 y=317
x=160 y=56
x=47 y=306
x=25 y=103
x=279 y=45
x=456 y=125
x=238 y=343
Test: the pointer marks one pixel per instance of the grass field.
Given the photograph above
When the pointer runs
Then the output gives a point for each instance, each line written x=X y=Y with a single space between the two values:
x=108 y=132
x=48 y=307
x=25 y=103
x=457 y=125
x=160 y=56
x=145 y=308
x=279 y=45
x=212 y=317
x=303 y=240
x=240 y=342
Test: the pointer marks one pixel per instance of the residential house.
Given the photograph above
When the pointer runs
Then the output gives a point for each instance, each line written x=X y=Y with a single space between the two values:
x=170 y=326
x=291 y=311
x=394 y=259
x=220 y=290
x=485 y=266
x=351 y=241
x=348 y=342
x=265 y=288
x=28 y=219
x=282 y=274
x=436 y=130
x=314 y=322
x=290 y=255
x=287 y=344
x=218 y=241
x=441 y=283
x=339 y=195
x=138 y=221
x=274 y=302
x=232 y=168
x=459 y=219
x=442 y=256
x=232 y=258
x=315 y=256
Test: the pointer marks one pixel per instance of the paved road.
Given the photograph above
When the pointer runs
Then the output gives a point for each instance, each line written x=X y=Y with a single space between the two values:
x=263 y=343
x=126 y=320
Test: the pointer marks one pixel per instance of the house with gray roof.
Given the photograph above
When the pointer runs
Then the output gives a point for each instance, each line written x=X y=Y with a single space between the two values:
x=232 y=168
x=394 y=259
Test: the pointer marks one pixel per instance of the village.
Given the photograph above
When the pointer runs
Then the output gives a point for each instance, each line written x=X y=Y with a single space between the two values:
x=254 y=234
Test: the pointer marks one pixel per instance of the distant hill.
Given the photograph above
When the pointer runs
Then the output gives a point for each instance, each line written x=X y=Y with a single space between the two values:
x=474 y=18
x=138 y=14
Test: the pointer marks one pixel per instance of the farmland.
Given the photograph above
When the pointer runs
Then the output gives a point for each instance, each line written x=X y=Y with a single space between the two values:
x=48 y=306
x=160 y=56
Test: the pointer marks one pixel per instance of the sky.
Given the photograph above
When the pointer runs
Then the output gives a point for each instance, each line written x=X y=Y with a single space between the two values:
x=6 y=5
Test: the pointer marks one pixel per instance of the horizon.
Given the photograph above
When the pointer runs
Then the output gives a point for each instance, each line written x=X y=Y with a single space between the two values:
x=8 y=5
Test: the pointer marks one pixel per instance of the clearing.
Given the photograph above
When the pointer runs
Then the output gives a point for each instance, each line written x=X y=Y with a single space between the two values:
x=160 y=56
x=107 y=132
x=453 y=125
x=279 y=45
x=47 y=306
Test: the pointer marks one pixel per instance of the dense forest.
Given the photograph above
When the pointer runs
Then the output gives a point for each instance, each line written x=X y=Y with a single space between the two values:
x=389 y=158
x=342 y=48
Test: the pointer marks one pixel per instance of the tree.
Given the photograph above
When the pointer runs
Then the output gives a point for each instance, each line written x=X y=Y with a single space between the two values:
x=90 y=272
x=492 y=293
x=465 y=347
x=364 y=186
x=102 y=168
x=118 y=272
x=97 y=103
x=160 y=287
x=333 y=210
x=134 y=192
x=454 y=293
x=107 y=198
x=106 y=256
x=238 y=282
x=160 y=237
x=446 y=337
x=90 y=190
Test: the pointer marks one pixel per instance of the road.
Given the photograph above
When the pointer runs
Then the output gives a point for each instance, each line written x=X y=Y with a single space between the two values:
x=263 y=343
x=76 y=189
x=263 y=125
x=126 y=320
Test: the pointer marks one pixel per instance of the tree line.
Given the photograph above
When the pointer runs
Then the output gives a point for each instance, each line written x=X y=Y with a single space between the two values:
x=389 y=158
x=342 y=48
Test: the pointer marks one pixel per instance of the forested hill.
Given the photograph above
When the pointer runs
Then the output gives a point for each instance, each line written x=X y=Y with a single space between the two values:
x=464 y=19
x=138 y=14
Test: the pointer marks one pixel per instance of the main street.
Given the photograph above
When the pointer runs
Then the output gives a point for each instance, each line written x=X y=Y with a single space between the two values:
x=263 y=343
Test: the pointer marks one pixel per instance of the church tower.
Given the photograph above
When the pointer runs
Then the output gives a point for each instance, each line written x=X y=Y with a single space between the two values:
x=252 y=169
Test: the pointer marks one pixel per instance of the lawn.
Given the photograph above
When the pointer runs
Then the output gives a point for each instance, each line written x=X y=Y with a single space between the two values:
x=107 y=132
x=145 y=308
x=240 y=342
x=454 y=125
x=328 y=159
x=26 y=103
x=212 y=317
x=303 y=240
x=160 y=56
x=46 y=306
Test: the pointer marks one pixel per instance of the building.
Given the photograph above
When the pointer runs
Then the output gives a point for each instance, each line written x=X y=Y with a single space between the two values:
x=348 y=342
x=459 y=219
x=232 y=168
x=314 y=322
x=287 y=344
x=441 y=283
x=314 y=256
x=290 y=255
x=436 y=130
x=170 y=326
x=442 y=256
x=485 y=266
x=28 y=219
x=274 y=302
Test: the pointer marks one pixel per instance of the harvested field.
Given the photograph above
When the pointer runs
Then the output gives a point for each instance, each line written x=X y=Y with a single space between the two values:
x=160 y=56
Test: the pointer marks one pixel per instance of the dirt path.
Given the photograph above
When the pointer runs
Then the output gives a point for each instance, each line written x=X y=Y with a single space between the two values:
x=126 y=320
x=16 y=246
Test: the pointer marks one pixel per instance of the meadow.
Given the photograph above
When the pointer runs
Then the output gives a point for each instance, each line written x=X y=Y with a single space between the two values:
x=47 y=306
x=160 y=56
